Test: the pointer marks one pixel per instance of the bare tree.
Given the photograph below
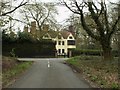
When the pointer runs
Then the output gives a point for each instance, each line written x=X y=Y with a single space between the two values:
x=98 y=12
x=40 y=12
x=6 y=4
x=7 y=9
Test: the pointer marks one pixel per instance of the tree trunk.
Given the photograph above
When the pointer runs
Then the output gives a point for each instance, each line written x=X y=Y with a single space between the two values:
x=107 y=50
x=39 y=27
x=119 y=45
x=107 y=54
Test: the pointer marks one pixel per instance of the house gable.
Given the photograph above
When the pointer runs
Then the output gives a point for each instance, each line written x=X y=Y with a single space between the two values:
x=70 y=37
x=59 y=36
x=46 y=36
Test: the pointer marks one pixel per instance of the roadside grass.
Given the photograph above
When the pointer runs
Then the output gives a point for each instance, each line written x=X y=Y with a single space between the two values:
x=104 y=74
x=10 y=72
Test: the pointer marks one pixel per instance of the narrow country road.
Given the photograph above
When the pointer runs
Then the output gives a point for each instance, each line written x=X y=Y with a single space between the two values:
x=49 y=73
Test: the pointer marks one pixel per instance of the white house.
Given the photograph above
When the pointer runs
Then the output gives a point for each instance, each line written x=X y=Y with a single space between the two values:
x=65 y=41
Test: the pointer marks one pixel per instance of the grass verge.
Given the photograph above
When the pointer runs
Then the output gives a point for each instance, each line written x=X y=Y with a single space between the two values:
x=11 y=72
x=104 y=74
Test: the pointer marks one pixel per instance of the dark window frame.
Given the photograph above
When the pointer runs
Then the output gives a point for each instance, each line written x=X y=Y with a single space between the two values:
x=70 y=37
x=59 y=50
x=70 y=42
x=63 y=50
x=63 y=43
x=59 y=42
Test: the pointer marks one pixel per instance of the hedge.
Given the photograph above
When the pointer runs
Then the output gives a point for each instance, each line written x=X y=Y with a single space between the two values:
x=43 y=48
x=77 y=52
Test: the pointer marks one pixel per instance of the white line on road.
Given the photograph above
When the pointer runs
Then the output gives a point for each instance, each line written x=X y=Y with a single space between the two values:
x=48 y=63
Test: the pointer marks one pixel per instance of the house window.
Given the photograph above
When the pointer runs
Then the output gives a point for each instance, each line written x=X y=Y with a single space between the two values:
x=70 y=37
x=59 y=50
x=62 y=42
x=63 y=51
x=59 y=42
x=71 y=42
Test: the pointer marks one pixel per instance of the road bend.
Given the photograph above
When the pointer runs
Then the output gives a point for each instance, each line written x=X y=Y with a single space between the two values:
x=49 y=73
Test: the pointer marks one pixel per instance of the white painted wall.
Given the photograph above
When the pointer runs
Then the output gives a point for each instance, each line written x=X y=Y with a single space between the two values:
x=65 y=46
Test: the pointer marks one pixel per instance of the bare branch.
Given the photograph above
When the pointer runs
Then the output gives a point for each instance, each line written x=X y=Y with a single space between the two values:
x=21 y=4
x=78 y=6
x=97 y=10
x=17 y=20
x=70 y=8
x=100 y=10
x=106 y=16
x=95 y=18
x=87 y=29
x=32 y=14
x=114 y=26
x=45 y=18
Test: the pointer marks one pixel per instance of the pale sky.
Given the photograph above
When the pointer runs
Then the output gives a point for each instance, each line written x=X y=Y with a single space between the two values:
x=63 y=11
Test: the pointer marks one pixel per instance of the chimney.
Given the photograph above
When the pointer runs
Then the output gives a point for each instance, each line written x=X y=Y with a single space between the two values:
x=33 y=28
x=25 y=29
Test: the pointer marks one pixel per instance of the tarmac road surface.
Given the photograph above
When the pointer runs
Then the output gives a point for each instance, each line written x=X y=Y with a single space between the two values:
x=49 y=73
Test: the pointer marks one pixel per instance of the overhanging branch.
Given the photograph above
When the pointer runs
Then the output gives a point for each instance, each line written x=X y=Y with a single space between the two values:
x=87 y=29
x=114 y=26
x=70 y=8
x=95 y=18
x=21 y=4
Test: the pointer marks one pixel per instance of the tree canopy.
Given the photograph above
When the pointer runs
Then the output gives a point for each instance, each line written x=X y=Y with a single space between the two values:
x=42 y=13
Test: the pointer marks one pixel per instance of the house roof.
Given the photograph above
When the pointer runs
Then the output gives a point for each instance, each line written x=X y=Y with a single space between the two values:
x=53 y=34
x=65 y=34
